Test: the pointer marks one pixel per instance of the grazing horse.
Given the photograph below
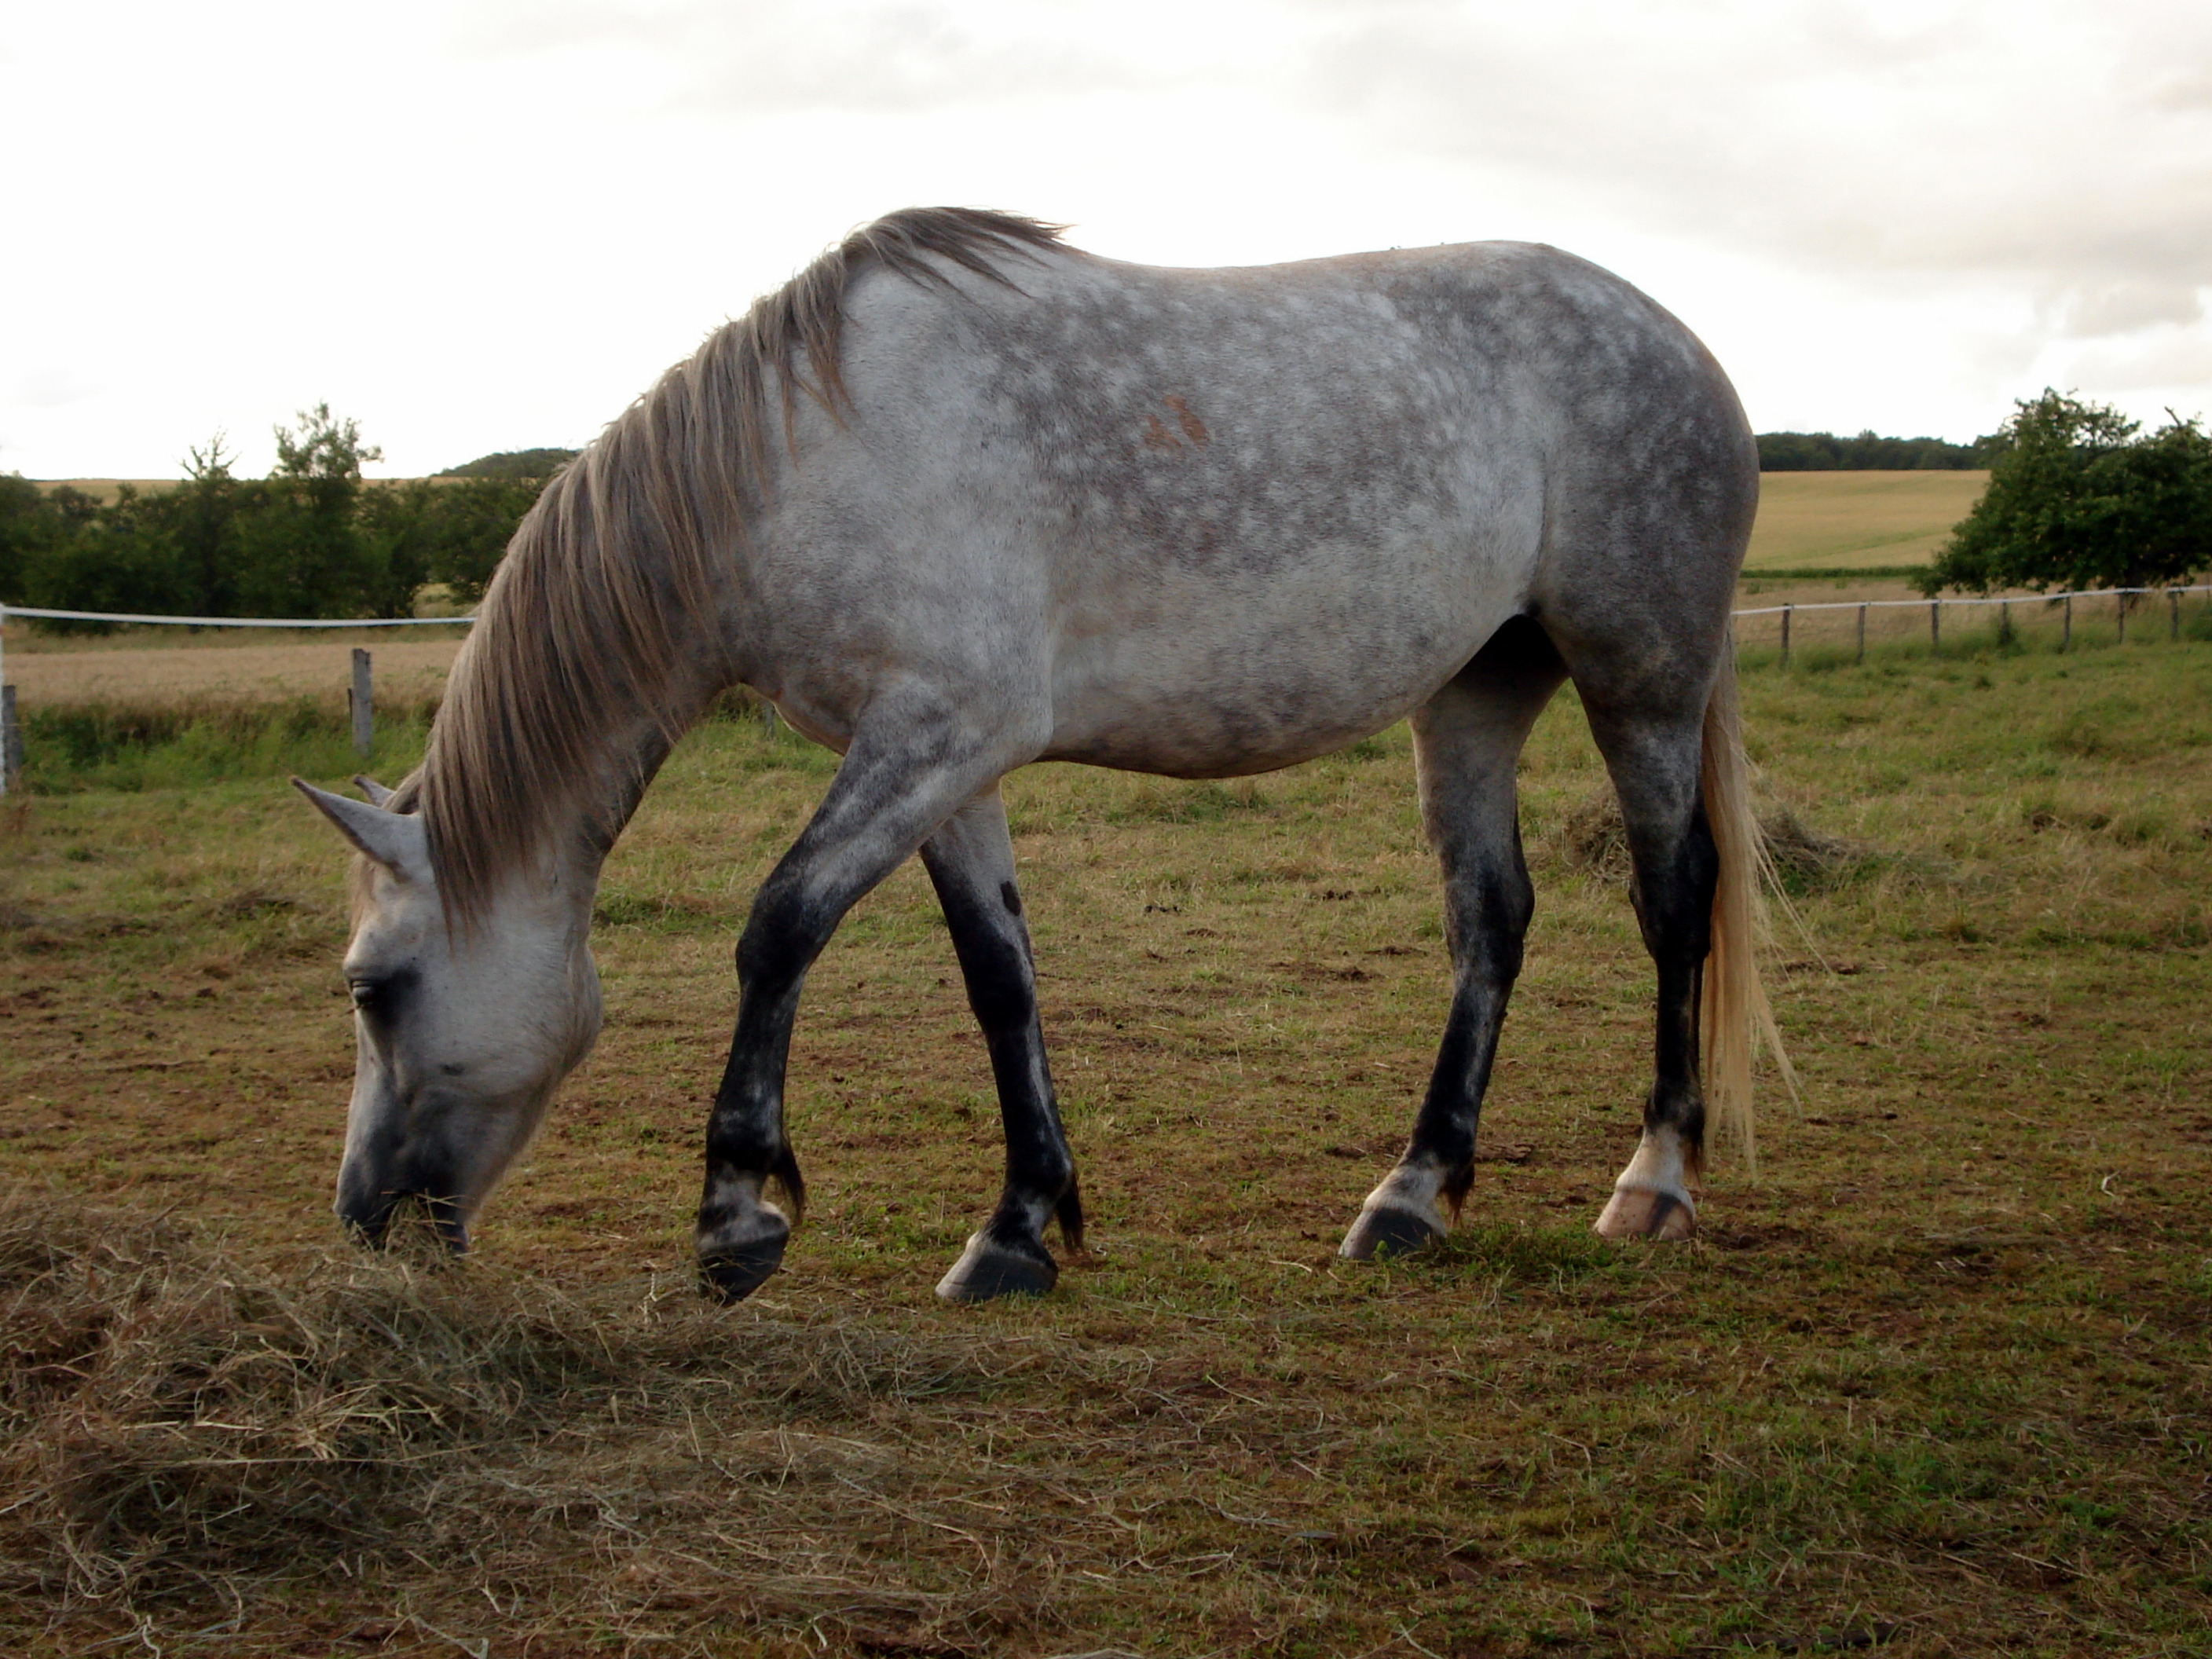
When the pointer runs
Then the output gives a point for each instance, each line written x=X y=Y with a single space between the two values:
x=959 y=497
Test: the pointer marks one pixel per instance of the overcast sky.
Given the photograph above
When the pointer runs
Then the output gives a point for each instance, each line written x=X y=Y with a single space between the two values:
x=489 y=226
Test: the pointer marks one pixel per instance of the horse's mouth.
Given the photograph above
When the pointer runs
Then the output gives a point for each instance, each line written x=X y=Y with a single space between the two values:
x=380 y=1224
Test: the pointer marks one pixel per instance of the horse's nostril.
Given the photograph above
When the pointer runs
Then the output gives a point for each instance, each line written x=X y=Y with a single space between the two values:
x=445 y=1218
x=367 y=1226
x=440 y=1217
x=377 y=1219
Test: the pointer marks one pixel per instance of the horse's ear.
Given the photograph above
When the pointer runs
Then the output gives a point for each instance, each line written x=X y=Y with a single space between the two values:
x=377 y=793
x=394 y=840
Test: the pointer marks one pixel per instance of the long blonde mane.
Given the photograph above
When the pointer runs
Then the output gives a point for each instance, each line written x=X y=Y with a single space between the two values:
x=591 y=626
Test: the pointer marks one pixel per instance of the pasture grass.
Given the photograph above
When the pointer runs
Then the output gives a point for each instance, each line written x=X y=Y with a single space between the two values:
x=1938 y=1380
x=195 y=742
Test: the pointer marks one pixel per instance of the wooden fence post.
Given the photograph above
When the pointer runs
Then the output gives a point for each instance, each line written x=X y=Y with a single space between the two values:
x=1785 y=634
x=2004 y=622
x=2173 y=613
x=357 y=700
x=2066 y=627
x=2121 y=610
x=1862 y=655
x=1935 y=624
x=11 y=742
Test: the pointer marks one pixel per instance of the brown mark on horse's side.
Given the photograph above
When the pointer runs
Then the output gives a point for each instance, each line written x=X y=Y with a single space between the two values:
x=1193 y=427
x=1157 y=436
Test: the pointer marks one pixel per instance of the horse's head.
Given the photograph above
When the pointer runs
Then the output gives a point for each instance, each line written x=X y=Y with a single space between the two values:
x=461 y=1033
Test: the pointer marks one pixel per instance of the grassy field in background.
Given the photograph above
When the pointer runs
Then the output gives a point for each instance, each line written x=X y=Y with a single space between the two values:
x=1938 y=1379
x=1851 y=520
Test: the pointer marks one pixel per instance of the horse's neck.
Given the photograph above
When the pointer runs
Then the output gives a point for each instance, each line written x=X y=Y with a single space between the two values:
x=628 y=756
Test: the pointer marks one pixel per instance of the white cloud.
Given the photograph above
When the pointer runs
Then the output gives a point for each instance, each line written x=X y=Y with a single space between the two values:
x=490 y=225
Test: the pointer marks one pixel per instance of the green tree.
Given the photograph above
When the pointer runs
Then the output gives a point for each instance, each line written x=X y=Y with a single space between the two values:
x=534 y=466
x=2078 y=499
x=302 y=552
x=1823 y=451
x=313 y=539
x=30 y=525
x=200 y=520
x=478 y=517
x=113 y=557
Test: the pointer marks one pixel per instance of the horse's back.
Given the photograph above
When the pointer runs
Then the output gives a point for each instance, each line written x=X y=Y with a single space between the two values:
x=1251 y=513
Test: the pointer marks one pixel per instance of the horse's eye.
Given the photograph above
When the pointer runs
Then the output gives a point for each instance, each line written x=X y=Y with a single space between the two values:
x=384 y=995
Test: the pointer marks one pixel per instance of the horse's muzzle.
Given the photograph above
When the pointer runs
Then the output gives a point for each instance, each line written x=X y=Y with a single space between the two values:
x=369 y=1217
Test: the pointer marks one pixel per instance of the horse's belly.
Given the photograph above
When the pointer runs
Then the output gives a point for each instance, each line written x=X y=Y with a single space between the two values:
x=1249 y=695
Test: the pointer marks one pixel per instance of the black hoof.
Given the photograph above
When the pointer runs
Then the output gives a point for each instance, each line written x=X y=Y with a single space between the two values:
x=1388 y=1231
x=731 y=1275
x=988 y=1269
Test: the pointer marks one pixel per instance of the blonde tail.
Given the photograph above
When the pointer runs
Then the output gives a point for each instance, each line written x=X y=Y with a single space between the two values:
x=1736 y=1020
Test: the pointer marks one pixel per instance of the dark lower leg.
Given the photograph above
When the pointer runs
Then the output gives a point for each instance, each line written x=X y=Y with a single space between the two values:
x=1676 y=868
x=970 y=862
x=882 y=804
x=741 y=1235
x=1488 y=919
x=1468 y=738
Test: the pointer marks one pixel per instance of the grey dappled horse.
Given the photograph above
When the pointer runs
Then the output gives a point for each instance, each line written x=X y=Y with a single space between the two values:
x=960 y=497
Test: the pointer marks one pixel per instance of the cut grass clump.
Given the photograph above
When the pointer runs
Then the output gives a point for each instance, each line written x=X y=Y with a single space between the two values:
x=172 y=1417
x=1594 y=838
x=1542 y=1255
x=1157 y=801
x=181 y=1422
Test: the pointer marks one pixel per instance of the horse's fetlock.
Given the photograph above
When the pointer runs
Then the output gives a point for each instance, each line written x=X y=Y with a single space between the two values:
x=1069 y=1213
x=1452 y=1191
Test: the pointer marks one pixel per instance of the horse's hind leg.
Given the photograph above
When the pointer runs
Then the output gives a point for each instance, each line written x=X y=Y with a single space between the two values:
x=1654 y=748
x=971 y=862
x=1467 y=741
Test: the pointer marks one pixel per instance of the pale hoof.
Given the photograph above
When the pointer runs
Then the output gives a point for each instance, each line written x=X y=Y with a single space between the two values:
x=730 y=1272
x=1389 y=1231
x=988 y=1269
x=1638 y=1212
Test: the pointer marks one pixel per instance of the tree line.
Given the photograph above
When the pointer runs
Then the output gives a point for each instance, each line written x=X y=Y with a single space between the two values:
x=1823 y=451
x=313 y=539
x=2078 y=496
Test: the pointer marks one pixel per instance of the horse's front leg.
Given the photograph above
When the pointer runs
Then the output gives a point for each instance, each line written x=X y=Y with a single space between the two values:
x=910 y=767
x=971 y=862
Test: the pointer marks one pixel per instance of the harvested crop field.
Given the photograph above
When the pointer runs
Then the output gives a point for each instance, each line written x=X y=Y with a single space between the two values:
x=1855 y=519
x=1937 y=1381
x=150 y=666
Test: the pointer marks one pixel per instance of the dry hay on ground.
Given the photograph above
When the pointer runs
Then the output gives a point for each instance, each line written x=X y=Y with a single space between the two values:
x=183 y=1423
x=1593 y=837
